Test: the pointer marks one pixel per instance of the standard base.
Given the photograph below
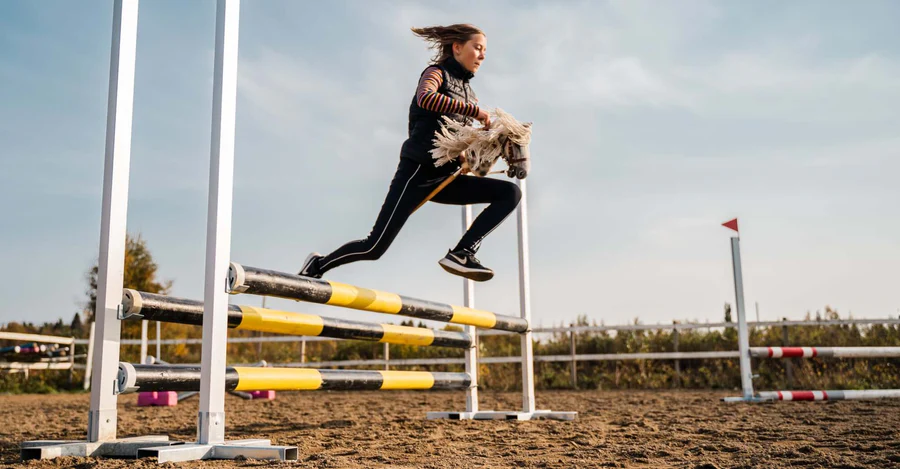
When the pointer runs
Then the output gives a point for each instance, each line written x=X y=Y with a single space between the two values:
x=503 y=415
x=253 y=449
x=744 y=399
x=121 y=448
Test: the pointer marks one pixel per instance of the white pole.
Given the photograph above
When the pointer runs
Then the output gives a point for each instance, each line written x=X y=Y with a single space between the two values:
x=471 y=357
x=90 y=358
x=111 y=267
x=144 y=341
x=71 y=360
x=158 y=340
x=525 y=304
x=743 y=335
x=211 y=418
x=260 y=334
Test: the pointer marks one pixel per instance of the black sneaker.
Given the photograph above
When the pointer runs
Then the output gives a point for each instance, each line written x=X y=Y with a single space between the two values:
x=464 y=264
x=311 y=266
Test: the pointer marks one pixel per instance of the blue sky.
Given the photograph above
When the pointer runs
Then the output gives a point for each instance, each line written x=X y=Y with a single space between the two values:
x=653 y=123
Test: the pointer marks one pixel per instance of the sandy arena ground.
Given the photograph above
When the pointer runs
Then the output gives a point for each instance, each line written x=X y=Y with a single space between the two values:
x=655 y=429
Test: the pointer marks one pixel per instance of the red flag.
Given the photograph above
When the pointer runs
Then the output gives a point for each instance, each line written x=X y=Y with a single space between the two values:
x=731 y=224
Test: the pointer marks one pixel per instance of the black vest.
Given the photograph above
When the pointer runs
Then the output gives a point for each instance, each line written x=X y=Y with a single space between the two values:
x=424 y=123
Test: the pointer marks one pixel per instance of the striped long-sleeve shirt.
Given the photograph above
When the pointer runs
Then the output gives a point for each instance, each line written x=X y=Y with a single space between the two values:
x=427 y=96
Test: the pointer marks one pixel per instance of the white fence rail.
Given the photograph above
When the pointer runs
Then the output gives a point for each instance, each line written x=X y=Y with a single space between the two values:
x=386 y=362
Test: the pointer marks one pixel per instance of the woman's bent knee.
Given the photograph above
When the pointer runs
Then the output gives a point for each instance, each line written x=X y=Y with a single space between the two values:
x=512 y=193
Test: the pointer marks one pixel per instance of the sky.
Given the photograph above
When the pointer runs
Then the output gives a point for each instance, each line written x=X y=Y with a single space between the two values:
x=654 y=122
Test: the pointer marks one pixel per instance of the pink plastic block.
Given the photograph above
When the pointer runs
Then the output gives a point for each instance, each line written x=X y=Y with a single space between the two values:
x=267 y=395
x=158 y=398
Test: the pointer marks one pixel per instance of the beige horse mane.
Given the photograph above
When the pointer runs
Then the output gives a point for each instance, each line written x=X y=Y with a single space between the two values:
x=482 y=147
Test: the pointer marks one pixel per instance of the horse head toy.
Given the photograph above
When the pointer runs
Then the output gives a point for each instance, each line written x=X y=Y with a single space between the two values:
x=507 y=139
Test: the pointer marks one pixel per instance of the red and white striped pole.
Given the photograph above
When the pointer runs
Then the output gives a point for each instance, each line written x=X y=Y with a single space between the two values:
x=828 y=395
x=836 y=352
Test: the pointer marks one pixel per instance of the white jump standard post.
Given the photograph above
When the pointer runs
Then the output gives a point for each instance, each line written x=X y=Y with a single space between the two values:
x=745 y=352
x=527 y=346
x=102 y=419
x=211 y=443
x=472 y=351
x=528 y=405
x=743 y=331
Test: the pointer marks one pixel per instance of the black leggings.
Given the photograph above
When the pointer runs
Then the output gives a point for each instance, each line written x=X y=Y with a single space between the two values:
x=411 y=184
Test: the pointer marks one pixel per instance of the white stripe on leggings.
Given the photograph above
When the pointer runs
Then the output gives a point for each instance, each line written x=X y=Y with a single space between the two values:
x=385 y=225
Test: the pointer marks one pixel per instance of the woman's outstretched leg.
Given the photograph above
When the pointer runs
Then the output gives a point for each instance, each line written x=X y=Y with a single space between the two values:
x=407 y=189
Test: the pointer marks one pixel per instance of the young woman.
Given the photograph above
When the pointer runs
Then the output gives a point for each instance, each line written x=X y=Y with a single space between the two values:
x=443 y=90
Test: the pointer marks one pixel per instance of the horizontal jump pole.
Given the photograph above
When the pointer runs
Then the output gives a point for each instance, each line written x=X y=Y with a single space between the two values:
x=827 y=395
x=255 y=281
x=836 y=352
x=153 y=307
x=147 y=378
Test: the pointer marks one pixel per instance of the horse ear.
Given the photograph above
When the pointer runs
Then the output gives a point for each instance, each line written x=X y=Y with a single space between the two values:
x=527 y=125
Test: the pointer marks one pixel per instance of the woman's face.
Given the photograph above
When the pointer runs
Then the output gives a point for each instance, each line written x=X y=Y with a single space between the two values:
x=471 y=53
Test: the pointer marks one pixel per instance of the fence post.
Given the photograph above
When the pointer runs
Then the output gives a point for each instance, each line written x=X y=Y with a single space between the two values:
x=387 y=356
x=677 y=382
x=303 y=350
x=574 y=363
x=71 y=361
x=788 y=365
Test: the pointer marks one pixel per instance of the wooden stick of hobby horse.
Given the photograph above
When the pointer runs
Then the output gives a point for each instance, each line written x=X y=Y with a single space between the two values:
x=439 y=188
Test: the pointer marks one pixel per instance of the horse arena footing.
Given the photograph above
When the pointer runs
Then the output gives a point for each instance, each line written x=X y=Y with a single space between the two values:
x=628 y=429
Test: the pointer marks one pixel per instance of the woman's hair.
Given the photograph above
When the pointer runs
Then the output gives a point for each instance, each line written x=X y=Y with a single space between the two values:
x=442 y=38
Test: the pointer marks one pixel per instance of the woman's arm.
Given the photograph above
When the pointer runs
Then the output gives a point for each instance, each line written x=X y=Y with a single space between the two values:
x=427 y=96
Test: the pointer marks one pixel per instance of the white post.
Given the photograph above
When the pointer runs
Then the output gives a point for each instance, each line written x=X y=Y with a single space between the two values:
x=211 y=418
x=158 y=340
x=88 y=363
x=102 y=416
x=743 y=335
x=71 y=360
x=144 y=341
x=525 y=304
x=471 y=357
x=260 y=335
